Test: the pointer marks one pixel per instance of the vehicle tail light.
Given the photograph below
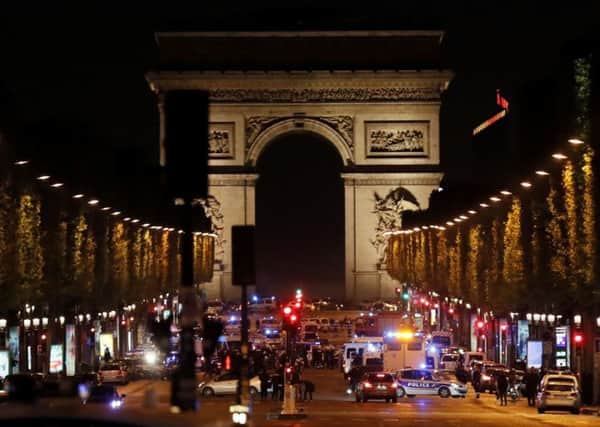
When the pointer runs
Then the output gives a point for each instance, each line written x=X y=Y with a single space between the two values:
x=486 y=377
x=394 y=385
x=368 y=385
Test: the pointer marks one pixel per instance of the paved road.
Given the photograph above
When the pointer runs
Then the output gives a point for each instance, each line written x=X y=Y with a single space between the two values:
x=331 y=408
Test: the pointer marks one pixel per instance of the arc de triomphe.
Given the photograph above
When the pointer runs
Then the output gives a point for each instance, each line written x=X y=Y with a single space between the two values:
x=384 y=125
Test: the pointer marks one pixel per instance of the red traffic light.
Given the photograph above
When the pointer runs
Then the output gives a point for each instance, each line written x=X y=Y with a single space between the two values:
x=480 y=324
x=578 y=338
x=298 y=305
x=451 y=310
x=293 y=318
x=398 y=291
x=287 y=310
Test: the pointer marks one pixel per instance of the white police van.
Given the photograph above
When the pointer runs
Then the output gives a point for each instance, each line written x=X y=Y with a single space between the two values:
x=423 y=382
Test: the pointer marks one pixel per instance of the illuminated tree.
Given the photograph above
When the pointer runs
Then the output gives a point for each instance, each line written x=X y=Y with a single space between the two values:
x=455 y=266
x=588 y=216
x=571 y=222
x=472 y=264
x=441 y=281
x=420 y=267
x=8 y=290
x=30 y=259
x=119 y=271
x=512 y=268
x=558 y=249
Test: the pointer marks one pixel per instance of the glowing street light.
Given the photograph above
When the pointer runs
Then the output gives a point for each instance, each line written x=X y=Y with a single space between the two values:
x=463 y=217
x=526 y=184
x=484 y=205
x=495 y=199
x=78 y=196
x=22 y=162
x=43 y=177
x=472 y=212
x=93 y=202
x=505 y=193
x=576 y=141
x=559 y=156
x=542 y=173
x=105 y=208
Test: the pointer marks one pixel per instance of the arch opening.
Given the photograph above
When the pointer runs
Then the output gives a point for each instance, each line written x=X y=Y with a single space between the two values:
x=300 y=217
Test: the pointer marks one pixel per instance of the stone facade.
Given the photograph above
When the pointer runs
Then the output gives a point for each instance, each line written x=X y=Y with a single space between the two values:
x=379 y=122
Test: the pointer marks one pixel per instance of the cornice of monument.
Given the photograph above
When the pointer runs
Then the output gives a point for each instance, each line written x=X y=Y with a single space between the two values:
x=307 y=86
x=399 y=178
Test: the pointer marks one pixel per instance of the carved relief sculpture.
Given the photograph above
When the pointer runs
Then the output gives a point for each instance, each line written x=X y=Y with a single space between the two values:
x=389 y=216
x=221 y=140
x=212 y=210
x=397 y=139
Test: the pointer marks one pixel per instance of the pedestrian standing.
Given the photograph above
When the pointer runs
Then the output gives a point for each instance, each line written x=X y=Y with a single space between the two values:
x=531 y=382
x=502 y=388
x=476 y=380
x=309 y=388
x=264 y=384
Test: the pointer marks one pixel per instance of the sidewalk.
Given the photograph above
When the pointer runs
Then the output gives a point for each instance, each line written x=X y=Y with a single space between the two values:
x=490 y=401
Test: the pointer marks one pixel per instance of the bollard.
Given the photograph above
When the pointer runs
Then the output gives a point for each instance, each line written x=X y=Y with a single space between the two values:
x=150 y=398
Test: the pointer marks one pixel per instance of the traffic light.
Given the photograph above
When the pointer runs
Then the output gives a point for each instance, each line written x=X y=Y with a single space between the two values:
x=578 y=338
x=480 y=324
x=291 y=318
x=405 y=294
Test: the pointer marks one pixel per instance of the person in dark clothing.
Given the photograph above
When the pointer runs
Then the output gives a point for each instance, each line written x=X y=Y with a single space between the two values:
x=476 y=380
x=264 y=384
x=531 y=382
x=309 y=388
x=502 y=388
x=461 y=373
x=277 y=382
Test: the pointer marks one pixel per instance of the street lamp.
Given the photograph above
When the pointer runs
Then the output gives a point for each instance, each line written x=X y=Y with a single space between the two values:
x=598 y=321
x=2 y=323
x=577 y=319
x=551 y=318
x=27 y=323
x=536 y=317
x=36 y=322
x=61 y=319
x=528 y=317
x=44 y=321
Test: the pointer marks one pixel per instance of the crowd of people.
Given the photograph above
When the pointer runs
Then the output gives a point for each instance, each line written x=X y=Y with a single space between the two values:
x=505 y=383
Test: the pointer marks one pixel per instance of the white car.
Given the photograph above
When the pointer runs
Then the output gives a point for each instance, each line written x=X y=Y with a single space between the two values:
x=226 y=384
x=413 y=382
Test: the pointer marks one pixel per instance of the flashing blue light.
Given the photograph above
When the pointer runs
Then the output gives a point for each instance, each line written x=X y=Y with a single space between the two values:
x=115 y=404
x=254 y=298
x=222 y=339
x=317 y=342
x=432 y=348
x=232 y=319
x=267 y=332
x=423 y=366
x=389 y=334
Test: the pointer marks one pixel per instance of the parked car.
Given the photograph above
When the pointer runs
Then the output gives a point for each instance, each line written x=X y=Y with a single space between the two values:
x=113 y=373
x=559 y=395
x=377 y=385
x=226 y=384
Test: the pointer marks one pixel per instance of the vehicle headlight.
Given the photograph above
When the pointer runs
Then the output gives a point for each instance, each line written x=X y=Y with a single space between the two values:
x=150 y=357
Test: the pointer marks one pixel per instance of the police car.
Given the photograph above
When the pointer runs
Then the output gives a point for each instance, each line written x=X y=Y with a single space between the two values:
x=423 y=382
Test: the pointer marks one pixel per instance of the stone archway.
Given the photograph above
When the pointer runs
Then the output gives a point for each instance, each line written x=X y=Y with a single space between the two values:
x=283 y=126
x=383 y=124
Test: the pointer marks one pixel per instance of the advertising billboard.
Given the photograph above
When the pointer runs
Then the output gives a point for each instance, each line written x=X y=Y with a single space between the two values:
x=71 y=345
x=13 y=347
x=106 y=346
x=4 y=363
x=56 y=358
x=535 y=352
x=522 y=338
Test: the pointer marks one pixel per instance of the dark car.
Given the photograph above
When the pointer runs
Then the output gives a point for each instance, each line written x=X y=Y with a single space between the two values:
x=105 y=394
x=25 y=387
x=380 y=385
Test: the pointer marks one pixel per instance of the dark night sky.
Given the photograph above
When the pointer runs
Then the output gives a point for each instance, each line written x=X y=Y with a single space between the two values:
x=73 y=96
